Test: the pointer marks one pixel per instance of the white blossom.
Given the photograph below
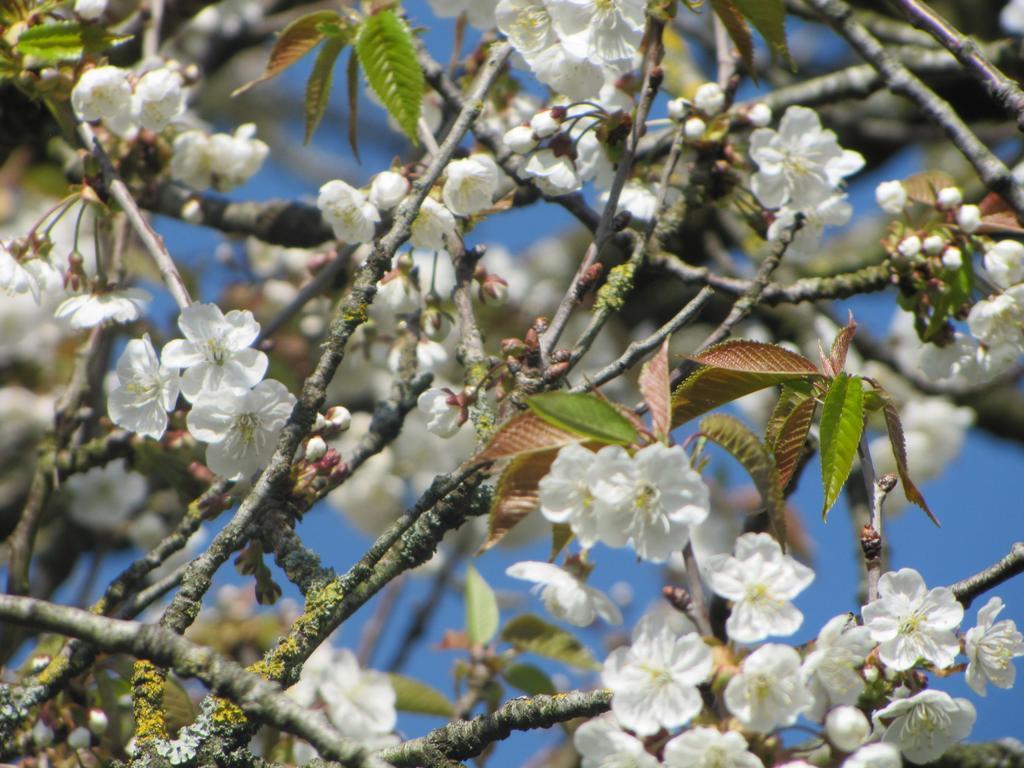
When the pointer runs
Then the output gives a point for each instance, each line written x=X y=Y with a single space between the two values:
x=90 y=10
x=158 y=99
x=104 y=93
x=933 y=245
x=801 y=163
x=444 y=415
x=602 y=743
x=968 y=217
x=216 y=351
x=603 y=31
x=388 y=189
x=830 y=670
x=891 y=196
x=709 y=748
x=760 y=115
x=768 y=692
x=545 y=124
x=432 y=224
x=952 y=258
x=999 y=320
x=709 y=99
x=241 y=426
x=79 y=738
x=359 y=702
x=564 y=595
x=991 y=647
x=949 y=198
x=398 y=293
x=847 y=727
x=103 y=498
x=347 y=210
x=554 y=174
x=909 y=246
x=565 y=494
x=88 y=310
x=761 y=581
x=911 y=622
x=470 y=185
x=1004 y=262
x=877 y=755
x=33 y=276
x=1011 y=17
x=654 y=680
x=144 y=391
x=805 y=243
x=222 y=160
x=925 y=725
x=520 y=139
x=694 y=128
x=650 y=500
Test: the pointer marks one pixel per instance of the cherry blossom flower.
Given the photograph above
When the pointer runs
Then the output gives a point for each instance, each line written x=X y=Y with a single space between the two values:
x=222 y=160
x=346 y=209
x=603 y=31
x=444 y=414
x=801 y=163
x=968 y=218
x=925 y=725
x=565 y=596
x=602 y=743
x=877 y=755
x=388 y=189
x=432 y=225
x=554 y=174
x=709 y=748
x=158 y=99
x=911 y=622
x=470 y=185
x=805 y=243
x=650 y=500
x=1011 y=17
x=760 y=580
x=768 y=692
x=830 y=670
x=241 y=426
x=564 y=492
x=847 y=728
x=709 y=98
x=216 y=351
x=991 y=647
x=654 y=680
x=103 y=498
x=1004 y=262
x=90 y=10
x=999 y=321
x=88 y=310
x=891 y=196
x=145 y=390
x=359 y=702
x=32 y=276
x=104 y=93
x=520 y=139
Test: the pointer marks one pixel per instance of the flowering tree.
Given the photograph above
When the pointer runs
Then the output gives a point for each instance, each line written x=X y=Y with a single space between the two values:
x=378 y=353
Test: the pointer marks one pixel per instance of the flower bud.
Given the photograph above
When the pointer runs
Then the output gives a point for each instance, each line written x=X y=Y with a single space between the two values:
x=952 y=258
x=79 y=738
x=760 y=115
x=42 y=734
x=320 y=424
x=316 y=447
x=545 y=124
x=891 y=196
x=910 y=246
x=678 y=109
x=949 y=198
x=97 y=721
x=709 y=99
x=847 y=728
x=339 y=417
x=969 y=218
x=933 y=245
x=388 y=189
x=520 y=139
x=192 y=211
x=694 y=128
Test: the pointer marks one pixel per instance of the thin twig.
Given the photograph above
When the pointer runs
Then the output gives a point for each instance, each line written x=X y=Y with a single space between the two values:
x=1012 y=565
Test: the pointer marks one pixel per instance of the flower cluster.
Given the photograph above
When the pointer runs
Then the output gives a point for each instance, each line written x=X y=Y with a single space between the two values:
x=221 y=160
x=124 y=102
x=648 y=500
x=234 y=410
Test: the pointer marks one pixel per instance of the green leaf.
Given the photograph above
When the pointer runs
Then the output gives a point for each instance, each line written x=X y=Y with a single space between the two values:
x=899 y=451
x=65 y=40
x=387 y=54
x=748 y=450
x=769 y=18
x=841 y=346
x=584 y=414
x=295 y=41
x=738 y=30
x=842 y=422
x=318 y=87
x=481 y=609
x=529 y=679
x=516 y=494
x=656 y=388
x=561 y=535
x=531 y=634
x=413 y=696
